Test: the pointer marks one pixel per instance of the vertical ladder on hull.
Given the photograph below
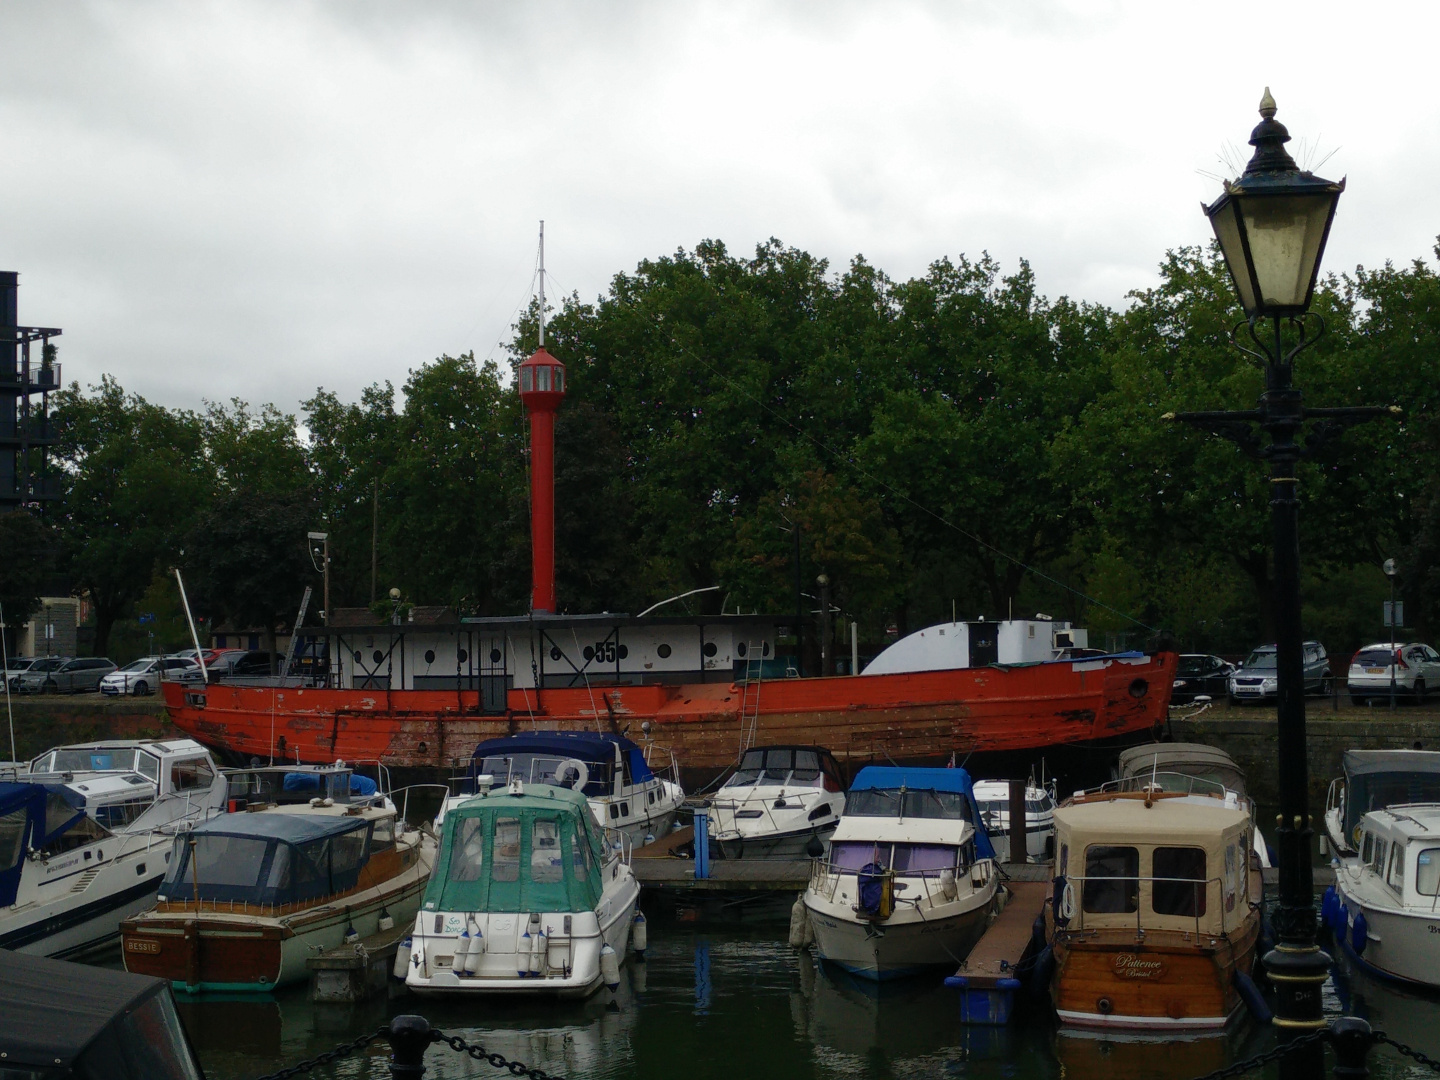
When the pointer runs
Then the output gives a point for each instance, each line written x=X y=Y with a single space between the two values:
x=750 y=695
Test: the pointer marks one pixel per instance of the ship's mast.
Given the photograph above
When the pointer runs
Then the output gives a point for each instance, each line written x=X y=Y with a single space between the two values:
x=542 y=283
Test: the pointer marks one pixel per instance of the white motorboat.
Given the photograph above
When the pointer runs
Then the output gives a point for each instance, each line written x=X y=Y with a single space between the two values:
x=993 y=798
x=1373 y=780
x=316 y=857
x=1384 y=908
x=783 y=802
x=629 y=798
x=910 y=881
x=85 y=836
x=527 y=899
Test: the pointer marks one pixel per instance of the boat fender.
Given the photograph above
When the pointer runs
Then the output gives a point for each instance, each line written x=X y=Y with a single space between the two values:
x=801 y=932
x=1042 y=973
x=522 y=953
x=1037 y=934
x=477 y=949
x=462 y=952
x=1253 y=998
x=1359 y=933
x=1067 y=903
x=538 y=957
x=947 y=884
x=402 y=959
x=351 y=934
x=385 y=922
x=814 y=847
x=1002 y=897
x=610 y=968
x=639 y=934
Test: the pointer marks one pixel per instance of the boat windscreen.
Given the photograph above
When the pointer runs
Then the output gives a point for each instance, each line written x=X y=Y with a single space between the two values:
x=902 y=858
x=112 y=759
x=264 y=870
x=1377 y=790
x=548 y=769
x=892 y=802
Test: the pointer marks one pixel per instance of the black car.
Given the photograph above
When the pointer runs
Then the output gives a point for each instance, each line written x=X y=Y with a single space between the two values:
x=257 y=663
x=1200 y=673
x=1256 y=679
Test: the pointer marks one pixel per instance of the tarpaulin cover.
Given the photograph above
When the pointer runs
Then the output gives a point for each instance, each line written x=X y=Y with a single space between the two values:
x=1376 y=779
x=593 y=748
x=503 y=853
x=308 y=781
x=54 y=1009
x=893 y=778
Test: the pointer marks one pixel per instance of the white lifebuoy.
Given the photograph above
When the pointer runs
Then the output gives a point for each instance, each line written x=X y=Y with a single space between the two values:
x=579 y=768
x=1067 y=902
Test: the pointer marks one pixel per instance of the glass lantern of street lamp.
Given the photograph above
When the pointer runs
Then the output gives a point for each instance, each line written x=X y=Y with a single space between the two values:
x=1272 y=224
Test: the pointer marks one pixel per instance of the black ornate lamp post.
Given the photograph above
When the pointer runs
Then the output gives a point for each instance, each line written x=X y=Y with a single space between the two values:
x=1272 y=224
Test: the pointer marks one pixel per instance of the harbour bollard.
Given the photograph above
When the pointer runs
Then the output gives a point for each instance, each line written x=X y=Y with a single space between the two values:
x=702 y=844
x=409 y=1036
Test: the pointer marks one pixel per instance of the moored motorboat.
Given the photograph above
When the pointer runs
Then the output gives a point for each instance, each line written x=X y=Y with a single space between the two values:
x=909 y=881
x=527 y=899
x=781 y=802
x=628 y=797
x=993 y=798
x=1384 y=908
x=85 y=834
x=1157 y=909
x=1373 y=780
x=249 y=895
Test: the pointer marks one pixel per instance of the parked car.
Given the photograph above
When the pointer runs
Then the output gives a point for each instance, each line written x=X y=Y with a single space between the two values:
x=1200 y=673
x=1256 y=679
x=1416 y=668
x=64 y=674
x=221 y=662
x=144 y=675
x=15 y=666
x=258 y=663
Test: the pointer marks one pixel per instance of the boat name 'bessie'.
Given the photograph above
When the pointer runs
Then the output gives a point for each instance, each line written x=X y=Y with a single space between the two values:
x=1130 y=966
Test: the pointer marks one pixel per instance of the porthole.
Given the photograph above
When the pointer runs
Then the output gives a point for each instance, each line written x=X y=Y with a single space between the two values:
x=555 y=652
x=764 y=648
x=429 y=656
x=589 y=653
x=741 y=649
x=421 y=748
x=494 y=656
x=358 y=658
x=710 y=649
x=461 y=655
x=622 y=652
x=378 y=656
x=1139 y=688
x=663 y=651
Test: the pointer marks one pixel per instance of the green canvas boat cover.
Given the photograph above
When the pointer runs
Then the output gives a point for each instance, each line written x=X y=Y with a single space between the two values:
x=503 y=853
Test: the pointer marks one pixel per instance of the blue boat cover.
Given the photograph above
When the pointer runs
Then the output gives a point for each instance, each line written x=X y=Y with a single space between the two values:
x=892 y=778
x=31 y=815
x=309 y=781
x=593 y=748
x=298 y=828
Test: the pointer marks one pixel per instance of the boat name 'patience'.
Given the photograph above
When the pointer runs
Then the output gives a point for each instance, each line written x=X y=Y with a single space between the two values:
x=1130 y=966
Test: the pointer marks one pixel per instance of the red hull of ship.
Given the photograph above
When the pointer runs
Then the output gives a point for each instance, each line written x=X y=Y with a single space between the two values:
x=903 y=717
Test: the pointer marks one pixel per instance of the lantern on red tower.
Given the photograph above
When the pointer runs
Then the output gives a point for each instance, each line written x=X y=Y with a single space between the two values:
x=542 y=387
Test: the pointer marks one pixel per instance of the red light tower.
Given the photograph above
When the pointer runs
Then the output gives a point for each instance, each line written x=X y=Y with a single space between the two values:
x=542 y=387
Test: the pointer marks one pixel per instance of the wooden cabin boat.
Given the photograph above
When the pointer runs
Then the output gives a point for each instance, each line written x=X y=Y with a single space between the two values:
x=782 y=802
x=63 y=1020
x=1157 y=909
x=1373 y=780
x=909 y=881
x=1384 y=908
x=527 y=899
x=249 y=895
x=85 y=832
x=627 y=795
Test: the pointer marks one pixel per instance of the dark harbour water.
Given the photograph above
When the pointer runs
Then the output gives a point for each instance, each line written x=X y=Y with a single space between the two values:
x=733 y=1002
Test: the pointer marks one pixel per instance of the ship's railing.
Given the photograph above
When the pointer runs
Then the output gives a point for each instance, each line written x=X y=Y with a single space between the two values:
x=1074 y=898
x=403 y=804
x=826 y=874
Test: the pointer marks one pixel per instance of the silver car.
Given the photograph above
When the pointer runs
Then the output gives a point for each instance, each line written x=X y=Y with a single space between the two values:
x=67 y=674
x=15 y=667
x=144 y=675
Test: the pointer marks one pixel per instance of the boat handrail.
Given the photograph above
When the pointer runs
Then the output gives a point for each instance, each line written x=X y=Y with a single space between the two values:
x=403 y=810
x=1240 y=892
x=618 y=840
x=1143 y=780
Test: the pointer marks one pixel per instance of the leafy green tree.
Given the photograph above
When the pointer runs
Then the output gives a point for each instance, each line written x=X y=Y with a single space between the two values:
x=29 y=547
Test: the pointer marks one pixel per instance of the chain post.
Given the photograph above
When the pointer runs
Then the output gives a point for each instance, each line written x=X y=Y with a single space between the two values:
x=409 y=1037
x=1351 y=1037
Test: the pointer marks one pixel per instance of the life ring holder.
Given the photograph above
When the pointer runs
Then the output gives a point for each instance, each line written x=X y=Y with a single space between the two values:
x=1067 y=902
x=582 y=772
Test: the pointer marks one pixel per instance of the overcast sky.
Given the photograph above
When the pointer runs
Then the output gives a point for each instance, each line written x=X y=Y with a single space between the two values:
x=254 y=199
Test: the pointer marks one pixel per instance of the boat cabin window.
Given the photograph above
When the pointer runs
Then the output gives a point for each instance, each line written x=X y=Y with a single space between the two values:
x=892 y=802
x=902 y=858
x=118 y=759
x=191 y=774
x=506 y=864
x=1179 y=885
x=545 y=863
x=1377 y=861
x=1366 y=846
x=546 y=769
x=467 y=862
x=382 y=834
x=82 y=831
x=1427 y=871
x=229 y=860
x=120 y=814
x=579 y=852
x=1112 y=880
x=12 y=837
x=1375 y=791
x=1395 y=878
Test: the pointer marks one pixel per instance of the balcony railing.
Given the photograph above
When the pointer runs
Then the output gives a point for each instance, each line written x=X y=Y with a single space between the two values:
x=36 y=380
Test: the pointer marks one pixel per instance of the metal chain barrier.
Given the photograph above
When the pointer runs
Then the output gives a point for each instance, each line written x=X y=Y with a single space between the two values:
x=1240 y=1068
x=1407 y=1051
x=499 y=1061
x=343 y=1050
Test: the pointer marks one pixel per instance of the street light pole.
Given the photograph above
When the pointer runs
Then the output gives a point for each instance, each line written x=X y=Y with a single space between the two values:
x=1392 y=620
x=1272 y=225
